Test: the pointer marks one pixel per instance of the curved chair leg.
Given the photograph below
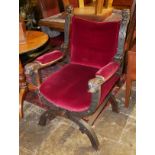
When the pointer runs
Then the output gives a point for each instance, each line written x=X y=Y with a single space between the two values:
x=47 y=115
x=86 y=128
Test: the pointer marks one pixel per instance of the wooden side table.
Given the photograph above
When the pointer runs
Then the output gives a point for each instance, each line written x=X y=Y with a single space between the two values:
x=34 y=40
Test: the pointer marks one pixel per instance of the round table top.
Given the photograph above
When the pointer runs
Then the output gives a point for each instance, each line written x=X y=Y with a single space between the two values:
x=34 y=40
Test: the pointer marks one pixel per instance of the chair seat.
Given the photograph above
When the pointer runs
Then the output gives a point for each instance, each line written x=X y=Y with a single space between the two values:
x=68 y=87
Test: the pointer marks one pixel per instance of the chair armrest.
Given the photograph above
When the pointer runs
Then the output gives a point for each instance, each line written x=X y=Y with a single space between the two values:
x=50 y=58
x=108 y=71
x=102 y=75
x=32 y=69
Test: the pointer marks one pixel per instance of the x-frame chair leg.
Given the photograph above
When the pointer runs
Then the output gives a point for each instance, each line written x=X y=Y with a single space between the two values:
x=84 y=127
x=47 y=115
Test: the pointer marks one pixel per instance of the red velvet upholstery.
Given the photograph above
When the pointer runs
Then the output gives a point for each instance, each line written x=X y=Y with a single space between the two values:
x=107 y=86
x=108 y=71
x=93 y=46
x=49 y=57
x=68 y=87
x=94 y=43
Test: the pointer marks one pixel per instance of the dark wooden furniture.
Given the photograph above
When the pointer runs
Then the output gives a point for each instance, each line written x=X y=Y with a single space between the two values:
x=84 y=86
x=34 y=40
x=55 y=22
x=122 y=4
x=48 y=9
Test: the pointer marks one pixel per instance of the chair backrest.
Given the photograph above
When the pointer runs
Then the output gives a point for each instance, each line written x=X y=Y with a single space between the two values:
x=93 y=43
x=48 y=7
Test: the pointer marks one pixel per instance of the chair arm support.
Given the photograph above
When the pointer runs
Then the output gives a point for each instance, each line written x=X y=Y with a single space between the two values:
x=32 y=72
x=108 y=71
x=102 y=75
x=32 y=69
x=95 y=84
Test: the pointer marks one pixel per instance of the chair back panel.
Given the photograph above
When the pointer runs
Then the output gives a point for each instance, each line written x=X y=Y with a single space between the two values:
x=48 y=7
x=93 y=43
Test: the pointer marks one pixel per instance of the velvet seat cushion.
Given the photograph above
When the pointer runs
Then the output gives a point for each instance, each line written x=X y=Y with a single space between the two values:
x=68 y=87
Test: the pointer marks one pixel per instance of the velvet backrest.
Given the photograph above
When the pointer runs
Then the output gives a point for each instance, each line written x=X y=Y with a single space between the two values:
x=93 y=43
x=48 y=7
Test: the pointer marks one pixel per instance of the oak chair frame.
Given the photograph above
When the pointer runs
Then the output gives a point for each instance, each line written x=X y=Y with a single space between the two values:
x=94 y=84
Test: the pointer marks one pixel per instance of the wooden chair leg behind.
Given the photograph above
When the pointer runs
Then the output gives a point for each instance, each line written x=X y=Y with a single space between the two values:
x=114 y=104
x=21 y=97
x=22 y=90
x=128 y=91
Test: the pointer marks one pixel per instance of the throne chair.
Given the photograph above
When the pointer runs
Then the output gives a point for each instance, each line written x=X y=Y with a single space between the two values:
x=84 y=86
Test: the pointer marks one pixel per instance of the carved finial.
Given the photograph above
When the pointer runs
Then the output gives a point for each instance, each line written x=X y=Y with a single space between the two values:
x=125 y=15
x=69 y=9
